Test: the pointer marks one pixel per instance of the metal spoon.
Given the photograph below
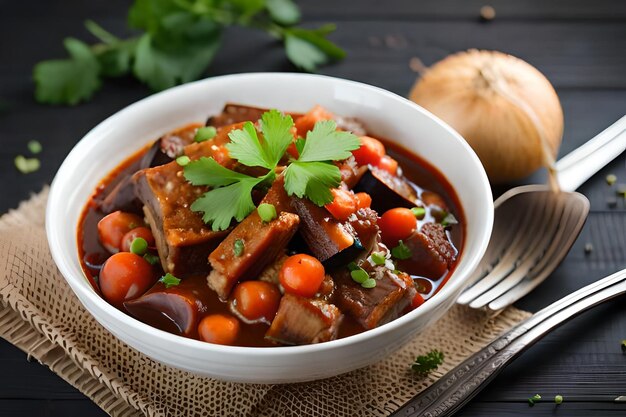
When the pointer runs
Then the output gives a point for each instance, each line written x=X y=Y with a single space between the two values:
x=534 y=226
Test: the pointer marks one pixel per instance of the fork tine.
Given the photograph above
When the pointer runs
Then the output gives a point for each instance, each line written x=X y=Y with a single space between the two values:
x=507 y=261
x=563 y=241
x=528 y=260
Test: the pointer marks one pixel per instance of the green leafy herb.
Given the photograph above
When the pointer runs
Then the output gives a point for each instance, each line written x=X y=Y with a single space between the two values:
x=401 y=251
x=558 y=399
x=238 y=247
x=379 y=258
x=34 y=146
x=267 y=212
x=139 y=246
x=169 y=280
x=312 y=175
x=418 y=212
x=205 y=133
x=177 y=41
x=533 y=400
x=449 y=220
x=183 y=160
x=424 y=364
x=26 y=165
x=151 y=258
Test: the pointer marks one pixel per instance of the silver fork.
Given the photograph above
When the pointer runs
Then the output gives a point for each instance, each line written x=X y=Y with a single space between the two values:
x=534 y=227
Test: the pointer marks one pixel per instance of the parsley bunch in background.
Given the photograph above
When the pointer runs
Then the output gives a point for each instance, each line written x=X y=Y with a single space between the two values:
x=179 y=40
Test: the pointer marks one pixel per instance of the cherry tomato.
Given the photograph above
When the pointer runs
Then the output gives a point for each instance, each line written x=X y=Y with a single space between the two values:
x=370 y=152
x=142 y=232
x=219 y=328
x=397 y=224
x=307 y=121
x=302 y=275
x=388 y=164
x=113 y=227
x=417 y=301
x=363 y=200
x=256 y=300
x=343 y=204
x=125 y=276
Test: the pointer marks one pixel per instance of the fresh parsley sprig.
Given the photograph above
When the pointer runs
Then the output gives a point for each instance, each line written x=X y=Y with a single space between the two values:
x=177 y=42
x=311 y=175
x=424 y=364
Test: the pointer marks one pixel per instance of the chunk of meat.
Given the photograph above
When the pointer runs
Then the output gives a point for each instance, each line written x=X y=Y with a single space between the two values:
x=387 y=191
x=262 y=242
x=235 y=113
x=432 y=254
x=372 y=307
x=177 y=309
x=301 y=321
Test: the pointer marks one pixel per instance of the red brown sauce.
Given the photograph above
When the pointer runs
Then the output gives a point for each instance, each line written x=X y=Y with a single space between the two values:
x=420 y=172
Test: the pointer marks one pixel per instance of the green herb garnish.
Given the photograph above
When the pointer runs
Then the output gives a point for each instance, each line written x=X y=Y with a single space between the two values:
x=34 y=146
x=267 y=212
x=139 y=246
x=359 y=275
x=401 y=251
x=379 y=258
x=418 y=212
x=26 y=165
x=369 y=283
x=169 y=280
x=177 y=41
x=534 y=399
x=205 y=133
x=449 y=220
x=311 y=175
x=183 y=160
x=151 y=258
x=238 y=247
x=558 y=399
x=424 y=364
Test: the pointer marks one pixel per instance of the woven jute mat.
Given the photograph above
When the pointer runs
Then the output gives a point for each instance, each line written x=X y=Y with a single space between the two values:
x=41 y=315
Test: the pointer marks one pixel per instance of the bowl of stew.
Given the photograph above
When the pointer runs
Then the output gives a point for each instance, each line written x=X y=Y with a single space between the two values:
x=269 y=227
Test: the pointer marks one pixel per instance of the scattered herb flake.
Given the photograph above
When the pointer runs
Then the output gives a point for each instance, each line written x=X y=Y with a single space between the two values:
x=169 y=280
x=611 y=179
x=205 y=133
x=267 y=212
x=359 y=275
x=183 y=160
x=139 y=246
x=424 y=364
x=401 y=251
x=533 y=400
x=369 y=283
x=238 y=247
x=419 y=212
x=558 y=399
x=26 y=165
x=379 y=258
x=34 y=146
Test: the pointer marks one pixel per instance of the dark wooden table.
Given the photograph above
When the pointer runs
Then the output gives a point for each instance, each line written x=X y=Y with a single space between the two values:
x=579 y=45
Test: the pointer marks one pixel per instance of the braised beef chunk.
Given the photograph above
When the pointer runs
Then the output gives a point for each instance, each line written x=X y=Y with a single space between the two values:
x=262 y=242
x=301 y=321
x=432 y=254
x=387 y=191
x=177 y=309
x=235 y=113
x=351 y=173
x=372 y=307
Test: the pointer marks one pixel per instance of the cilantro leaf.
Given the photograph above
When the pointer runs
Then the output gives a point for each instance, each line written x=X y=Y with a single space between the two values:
x=222 y=205
x=206 y=171
x=169 y=280
x=326 y=143
x=68 y=81
x=245 y=146
x=424 y=364
x=401 y=251
x=313 y=179
x=304 y=54
x=276 y=128
x=285 y=12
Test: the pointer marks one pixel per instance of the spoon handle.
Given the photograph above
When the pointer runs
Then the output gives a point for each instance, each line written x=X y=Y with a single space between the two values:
x=457 y=387
x=579 y=165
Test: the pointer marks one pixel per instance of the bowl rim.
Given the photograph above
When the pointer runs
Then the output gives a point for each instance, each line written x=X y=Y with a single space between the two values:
x=83 y=289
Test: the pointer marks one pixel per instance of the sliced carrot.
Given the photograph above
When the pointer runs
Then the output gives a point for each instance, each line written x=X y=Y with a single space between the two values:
x=370 y=152
x=343 y=204
x=307 y=121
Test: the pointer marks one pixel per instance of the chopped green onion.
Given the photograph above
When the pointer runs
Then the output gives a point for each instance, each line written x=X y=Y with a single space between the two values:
x=401 y=251
x=238 y=247
x=139 y=246
x=267 y=212
x=369 y=283
x=359 y=275
x=534 y=399
x=379 y=258
x=205 y=133
x=169 y=280
x=611 y=179
x=151 y=258
x=26 y=165
x=419 y=212
x=449 y=220
x=34 y=146
x=558 y=399
x=183 y=160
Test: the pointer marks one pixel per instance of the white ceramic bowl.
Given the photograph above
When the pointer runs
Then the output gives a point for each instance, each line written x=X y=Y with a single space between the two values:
x=384 y=114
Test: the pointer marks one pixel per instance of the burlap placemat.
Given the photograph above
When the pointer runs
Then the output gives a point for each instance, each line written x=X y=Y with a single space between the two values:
x=40 y=314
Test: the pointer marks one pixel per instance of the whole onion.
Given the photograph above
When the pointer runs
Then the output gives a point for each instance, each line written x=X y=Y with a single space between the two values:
x=504 y=107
